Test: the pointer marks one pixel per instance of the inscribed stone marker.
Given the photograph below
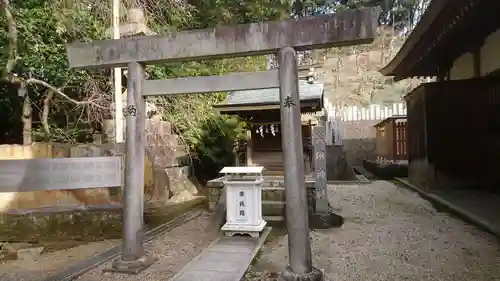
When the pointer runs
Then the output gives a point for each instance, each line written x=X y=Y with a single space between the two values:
x=319 y=149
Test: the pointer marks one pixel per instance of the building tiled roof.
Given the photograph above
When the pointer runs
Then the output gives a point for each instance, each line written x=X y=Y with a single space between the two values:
x=307 y=91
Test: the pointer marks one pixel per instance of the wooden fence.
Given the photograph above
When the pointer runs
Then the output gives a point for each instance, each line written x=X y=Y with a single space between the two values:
x=352 y=127
x=401 y=142
x=338 y=117
x=164 y=178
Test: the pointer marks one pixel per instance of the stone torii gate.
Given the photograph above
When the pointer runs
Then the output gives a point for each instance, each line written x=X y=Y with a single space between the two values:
x=281 y=37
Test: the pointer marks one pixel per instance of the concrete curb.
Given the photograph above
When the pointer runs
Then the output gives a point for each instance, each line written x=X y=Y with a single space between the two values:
x=455 y=209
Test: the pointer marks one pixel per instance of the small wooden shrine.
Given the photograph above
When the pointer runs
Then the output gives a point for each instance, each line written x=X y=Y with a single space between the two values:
x=391 y=139
x=261 y=110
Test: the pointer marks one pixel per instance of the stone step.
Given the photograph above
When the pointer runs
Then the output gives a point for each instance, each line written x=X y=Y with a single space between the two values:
x=273 y=218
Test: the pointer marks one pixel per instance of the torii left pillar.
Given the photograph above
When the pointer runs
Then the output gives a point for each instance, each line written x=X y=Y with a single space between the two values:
x=133 y=259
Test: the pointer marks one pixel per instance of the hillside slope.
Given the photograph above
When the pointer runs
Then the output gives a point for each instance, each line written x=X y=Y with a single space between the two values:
x=351 y=76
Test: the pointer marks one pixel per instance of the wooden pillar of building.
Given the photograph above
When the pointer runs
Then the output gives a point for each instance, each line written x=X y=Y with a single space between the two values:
x=444 y=72
x=476 y=62
x=236 y=153
x=249 y=148
x=309 y=163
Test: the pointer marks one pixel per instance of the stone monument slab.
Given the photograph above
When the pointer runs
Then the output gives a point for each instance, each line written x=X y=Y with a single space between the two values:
x=59 y=173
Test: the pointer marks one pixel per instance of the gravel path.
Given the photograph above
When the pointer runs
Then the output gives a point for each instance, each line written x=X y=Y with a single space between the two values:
x=391 y=233
x=174 y=249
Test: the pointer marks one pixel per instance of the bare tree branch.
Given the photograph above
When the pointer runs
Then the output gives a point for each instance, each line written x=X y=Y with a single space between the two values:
x=60 y=93
x=46 y=110
x=49 y=95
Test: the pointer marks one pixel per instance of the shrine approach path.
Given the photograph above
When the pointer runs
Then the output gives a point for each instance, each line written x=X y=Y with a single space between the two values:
x=391 y=233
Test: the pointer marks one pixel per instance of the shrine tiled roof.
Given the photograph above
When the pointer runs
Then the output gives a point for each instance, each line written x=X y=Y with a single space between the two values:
x=307 y=91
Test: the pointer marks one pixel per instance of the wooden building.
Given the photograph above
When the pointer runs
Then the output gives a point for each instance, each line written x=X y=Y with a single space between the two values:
x=453 y=123
x=261 y=110
x=391 y=139
x=461 y=140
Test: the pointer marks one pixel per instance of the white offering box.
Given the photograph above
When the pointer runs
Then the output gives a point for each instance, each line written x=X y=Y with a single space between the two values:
x=244 y=200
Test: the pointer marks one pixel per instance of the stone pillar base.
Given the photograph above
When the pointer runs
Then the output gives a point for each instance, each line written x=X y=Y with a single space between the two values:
x=314 y=275
x=131 y=267
x=325 y=220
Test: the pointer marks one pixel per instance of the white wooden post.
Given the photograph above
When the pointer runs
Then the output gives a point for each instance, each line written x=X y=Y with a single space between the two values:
x=117 y=75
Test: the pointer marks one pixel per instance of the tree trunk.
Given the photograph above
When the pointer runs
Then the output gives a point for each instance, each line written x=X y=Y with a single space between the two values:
x=27 y=120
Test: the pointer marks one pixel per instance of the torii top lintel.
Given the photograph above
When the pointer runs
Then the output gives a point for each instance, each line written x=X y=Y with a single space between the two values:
x=340 y=29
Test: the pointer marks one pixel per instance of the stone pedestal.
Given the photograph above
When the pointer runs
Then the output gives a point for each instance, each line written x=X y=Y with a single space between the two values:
x=314 y=275
x=131 y=267
x=325 y=220
x=244 y=201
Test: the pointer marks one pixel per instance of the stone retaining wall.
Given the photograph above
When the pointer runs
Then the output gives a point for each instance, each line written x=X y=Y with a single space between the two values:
x=277 y=195
x=84 y=225
x=359 y=141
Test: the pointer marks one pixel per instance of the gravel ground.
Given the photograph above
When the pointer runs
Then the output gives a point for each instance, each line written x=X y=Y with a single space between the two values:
x=174 y=249
x=40 y=268
x=390 y=233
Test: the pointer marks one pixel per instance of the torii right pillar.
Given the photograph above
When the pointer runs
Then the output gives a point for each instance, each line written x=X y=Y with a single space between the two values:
x=299 y=245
